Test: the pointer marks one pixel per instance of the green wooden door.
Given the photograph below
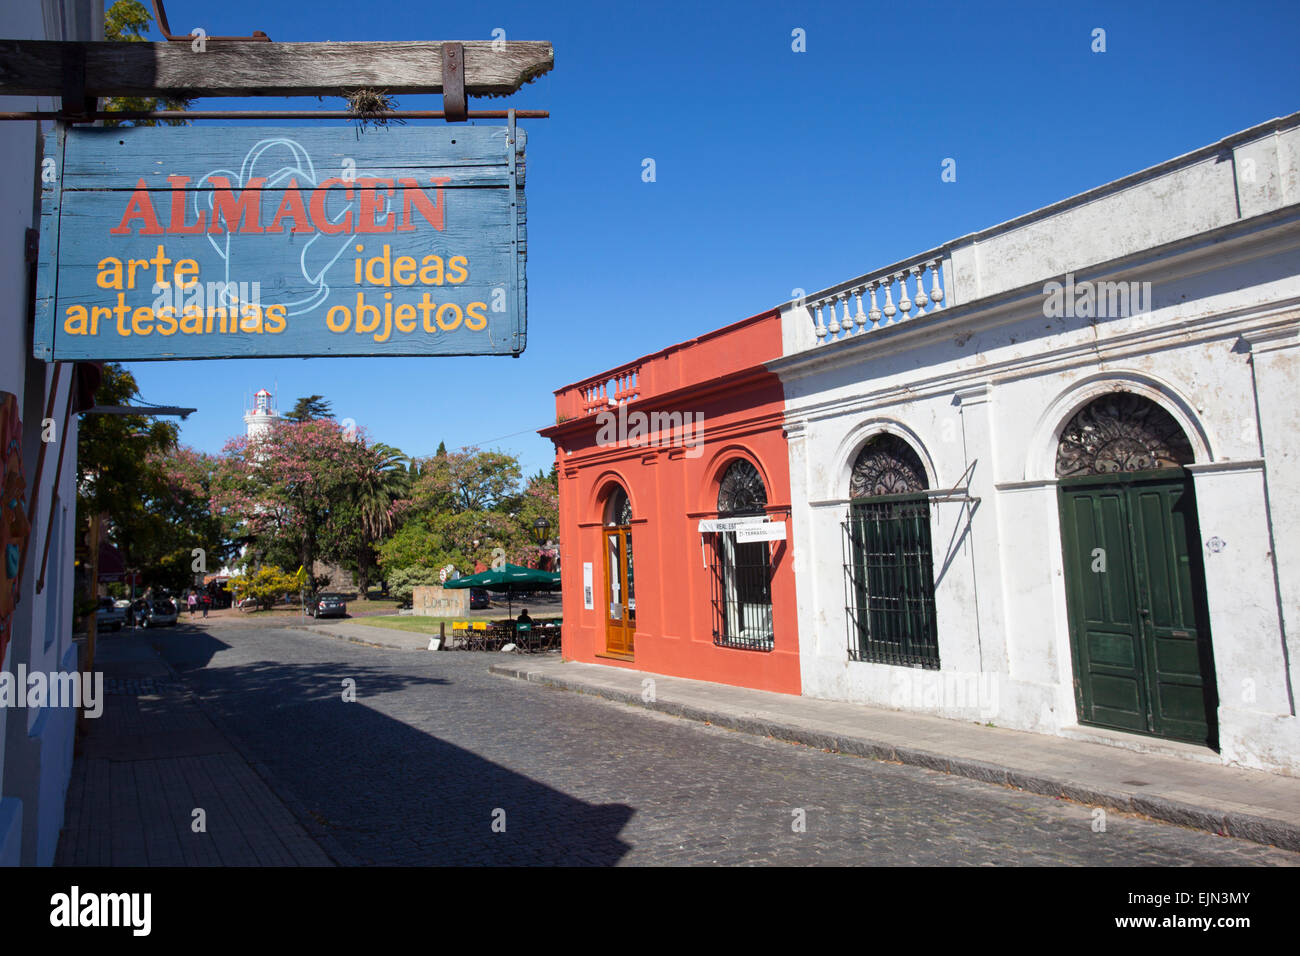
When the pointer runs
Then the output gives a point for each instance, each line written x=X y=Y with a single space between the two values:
x=1136 y=590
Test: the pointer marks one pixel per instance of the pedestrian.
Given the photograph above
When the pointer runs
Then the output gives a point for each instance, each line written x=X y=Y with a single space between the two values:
x=192 y=601
x=206 y=601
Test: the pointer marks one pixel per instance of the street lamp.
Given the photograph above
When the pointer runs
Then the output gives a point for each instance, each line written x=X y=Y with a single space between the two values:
x=541 y=531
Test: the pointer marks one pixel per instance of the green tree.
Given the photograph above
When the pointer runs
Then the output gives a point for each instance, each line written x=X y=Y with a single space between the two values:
x=376 y=497
x=127 y=21
x=118 y=473
x=402 y=583
x=467 y=507
x=309 y=409
x=175 y=532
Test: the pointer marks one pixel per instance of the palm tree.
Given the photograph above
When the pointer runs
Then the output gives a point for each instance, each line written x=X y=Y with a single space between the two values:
x=384 y=481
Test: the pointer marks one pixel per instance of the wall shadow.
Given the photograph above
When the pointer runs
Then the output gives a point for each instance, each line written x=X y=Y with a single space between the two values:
x=390 y=793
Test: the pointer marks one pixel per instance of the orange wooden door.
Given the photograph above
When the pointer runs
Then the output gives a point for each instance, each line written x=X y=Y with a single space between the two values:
x=620 y=594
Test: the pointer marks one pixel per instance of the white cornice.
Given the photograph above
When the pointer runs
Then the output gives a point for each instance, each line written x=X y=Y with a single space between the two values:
x=1082 y=352
x=1215 y=250
x=1226 y=466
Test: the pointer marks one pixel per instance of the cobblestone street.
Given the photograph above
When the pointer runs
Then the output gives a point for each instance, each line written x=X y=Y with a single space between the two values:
x=435 y=749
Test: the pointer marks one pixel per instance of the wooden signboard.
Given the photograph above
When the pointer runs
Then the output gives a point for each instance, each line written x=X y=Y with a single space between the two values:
x=238 y=242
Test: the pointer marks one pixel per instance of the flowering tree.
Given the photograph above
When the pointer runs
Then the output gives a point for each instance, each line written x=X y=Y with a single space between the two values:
x=312 y=490
x=177 y=534
x=282 y=489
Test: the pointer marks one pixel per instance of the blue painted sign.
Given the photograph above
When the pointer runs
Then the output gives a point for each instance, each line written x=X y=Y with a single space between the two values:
x=233 y=242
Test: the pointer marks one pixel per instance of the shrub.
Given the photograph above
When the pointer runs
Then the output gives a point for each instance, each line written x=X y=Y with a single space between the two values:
x=403 y=582
x=266 y=585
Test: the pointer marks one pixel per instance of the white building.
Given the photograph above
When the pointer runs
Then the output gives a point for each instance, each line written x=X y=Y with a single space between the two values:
x=36 y=742
x=1047 y=476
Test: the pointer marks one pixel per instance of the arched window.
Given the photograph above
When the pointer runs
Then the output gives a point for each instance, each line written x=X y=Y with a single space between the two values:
x=1121 y=432
x=618 y=509
x=742 y=570
x=741 y=491
x=888 y=567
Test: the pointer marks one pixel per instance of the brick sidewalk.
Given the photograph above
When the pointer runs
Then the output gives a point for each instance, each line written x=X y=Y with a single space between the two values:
x=149 y=761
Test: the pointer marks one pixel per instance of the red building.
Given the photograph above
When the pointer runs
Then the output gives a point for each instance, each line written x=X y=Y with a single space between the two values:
x=674 y=513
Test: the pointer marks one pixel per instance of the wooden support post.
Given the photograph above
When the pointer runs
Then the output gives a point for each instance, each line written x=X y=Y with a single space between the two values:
x=94 y=593
x=247 y=68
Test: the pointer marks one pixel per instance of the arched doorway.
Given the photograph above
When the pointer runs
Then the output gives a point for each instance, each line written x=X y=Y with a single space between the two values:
x=888 y=562
x=620 y=579
x=1135 y=581
x=742 y=570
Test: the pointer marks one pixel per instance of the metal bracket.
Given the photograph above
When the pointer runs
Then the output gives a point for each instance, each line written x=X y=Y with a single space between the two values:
x=453 y=82
x=160 y=15
x=76 y=106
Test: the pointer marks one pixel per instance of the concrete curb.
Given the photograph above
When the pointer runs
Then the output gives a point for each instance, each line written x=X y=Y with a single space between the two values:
x=1256 y=829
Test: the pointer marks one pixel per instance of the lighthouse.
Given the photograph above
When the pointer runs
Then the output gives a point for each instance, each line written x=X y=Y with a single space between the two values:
x=260 y=419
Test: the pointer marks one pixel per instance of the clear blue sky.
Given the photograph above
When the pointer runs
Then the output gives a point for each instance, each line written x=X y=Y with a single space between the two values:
x=775 y=169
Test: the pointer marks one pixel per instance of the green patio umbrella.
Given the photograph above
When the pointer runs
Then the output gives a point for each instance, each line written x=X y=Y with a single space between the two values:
x=509 y=580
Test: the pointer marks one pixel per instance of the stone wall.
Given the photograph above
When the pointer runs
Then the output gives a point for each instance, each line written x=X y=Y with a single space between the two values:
x=435 y=601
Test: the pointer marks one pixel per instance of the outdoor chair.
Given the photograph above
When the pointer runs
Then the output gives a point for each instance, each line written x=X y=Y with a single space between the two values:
x=526 y=638
x=499 y=635
x=460 y=634
x=478 y=637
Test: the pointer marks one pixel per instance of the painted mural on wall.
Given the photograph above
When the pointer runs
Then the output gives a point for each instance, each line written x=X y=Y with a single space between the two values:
x=14 y=527
x=179 y=242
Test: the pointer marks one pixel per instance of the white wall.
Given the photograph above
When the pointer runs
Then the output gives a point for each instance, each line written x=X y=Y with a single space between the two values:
x=36 y=744
x=982 y=390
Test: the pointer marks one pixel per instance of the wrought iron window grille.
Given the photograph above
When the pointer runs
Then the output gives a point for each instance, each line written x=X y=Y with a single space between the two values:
x=887 y=558
x=741 y=572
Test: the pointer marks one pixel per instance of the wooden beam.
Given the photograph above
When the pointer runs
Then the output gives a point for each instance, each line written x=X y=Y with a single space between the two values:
x=36 y=68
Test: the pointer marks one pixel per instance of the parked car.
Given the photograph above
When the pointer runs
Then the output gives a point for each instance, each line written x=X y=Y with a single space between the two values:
x=479 y=599
x=157 y=613
x=108 y=616
x=330 y=605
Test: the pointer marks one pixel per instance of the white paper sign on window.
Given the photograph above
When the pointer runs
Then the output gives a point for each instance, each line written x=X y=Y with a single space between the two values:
x=588 y=597
x=768 y=531
x=729 y=524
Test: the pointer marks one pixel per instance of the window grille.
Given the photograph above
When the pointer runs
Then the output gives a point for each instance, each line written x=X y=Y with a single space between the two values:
x=741 y=571
x=742 y=593
x=889 y=581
